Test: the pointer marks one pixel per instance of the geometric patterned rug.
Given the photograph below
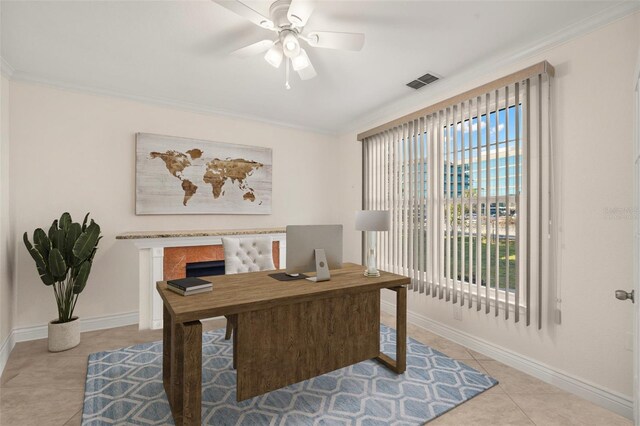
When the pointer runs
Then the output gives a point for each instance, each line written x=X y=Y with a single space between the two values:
x=124 y=386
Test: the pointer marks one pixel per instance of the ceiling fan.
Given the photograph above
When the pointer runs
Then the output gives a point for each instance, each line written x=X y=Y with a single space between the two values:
x=288 y=18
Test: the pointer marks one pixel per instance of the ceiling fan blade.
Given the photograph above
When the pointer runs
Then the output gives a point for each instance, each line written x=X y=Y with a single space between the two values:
x=308 y=72
x=253 y=49
x=246 y=12
x=331 y=40
x=299 y=12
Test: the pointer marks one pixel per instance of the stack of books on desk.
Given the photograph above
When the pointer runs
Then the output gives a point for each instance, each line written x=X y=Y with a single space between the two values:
x=189 y=286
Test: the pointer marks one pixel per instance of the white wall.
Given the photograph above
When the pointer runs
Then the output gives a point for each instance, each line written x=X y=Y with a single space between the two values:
x=7 y=290
x=593 y=130
x=75 y=152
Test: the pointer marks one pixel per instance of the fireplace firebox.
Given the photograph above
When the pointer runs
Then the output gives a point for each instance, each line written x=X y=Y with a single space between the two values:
x=204 y=269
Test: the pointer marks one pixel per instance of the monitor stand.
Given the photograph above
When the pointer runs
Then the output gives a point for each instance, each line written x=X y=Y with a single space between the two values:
x=322 y=269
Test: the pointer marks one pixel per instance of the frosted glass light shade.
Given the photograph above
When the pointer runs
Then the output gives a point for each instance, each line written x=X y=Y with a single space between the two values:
x=301 y=61
x=274 y=55
x=290 y=45
x=372 y=220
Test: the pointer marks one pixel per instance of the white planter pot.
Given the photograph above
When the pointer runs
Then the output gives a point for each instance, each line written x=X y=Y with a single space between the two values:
x=65 y=335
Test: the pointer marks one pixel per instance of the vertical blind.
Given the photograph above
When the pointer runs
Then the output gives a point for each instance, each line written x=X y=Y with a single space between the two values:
x=468 y=183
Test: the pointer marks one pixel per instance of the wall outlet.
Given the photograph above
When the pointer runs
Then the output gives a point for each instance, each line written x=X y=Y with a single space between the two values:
x=457 y=312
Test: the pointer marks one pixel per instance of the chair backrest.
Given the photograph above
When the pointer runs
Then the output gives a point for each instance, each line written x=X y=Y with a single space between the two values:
x=247 y=255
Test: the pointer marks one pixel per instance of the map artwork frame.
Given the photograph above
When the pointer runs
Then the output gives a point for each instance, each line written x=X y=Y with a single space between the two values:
x=192 y=176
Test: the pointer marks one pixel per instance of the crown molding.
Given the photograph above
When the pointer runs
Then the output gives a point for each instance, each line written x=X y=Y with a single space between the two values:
x=24 y=77
x=6 y=69
x=375 y=115
x=444 y=87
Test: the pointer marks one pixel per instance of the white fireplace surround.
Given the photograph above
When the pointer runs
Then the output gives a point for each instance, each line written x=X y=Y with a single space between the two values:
x=151 y=266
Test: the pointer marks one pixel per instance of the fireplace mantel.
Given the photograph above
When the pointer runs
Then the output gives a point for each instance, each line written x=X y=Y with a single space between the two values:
x=145 y=235
x=151 y=245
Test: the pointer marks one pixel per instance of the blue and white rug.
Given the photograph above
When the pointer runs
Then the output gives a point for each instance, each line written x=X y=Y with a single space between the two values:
x=125 y=387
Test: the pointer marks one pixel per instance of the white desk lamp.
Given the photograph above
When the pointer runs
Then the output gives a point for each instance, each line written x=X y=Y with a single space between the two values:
x=372 y=221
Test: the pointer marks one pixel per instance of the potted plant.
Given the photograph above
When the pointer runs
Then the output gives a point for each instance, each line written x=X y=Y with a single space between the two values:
x=63 y=258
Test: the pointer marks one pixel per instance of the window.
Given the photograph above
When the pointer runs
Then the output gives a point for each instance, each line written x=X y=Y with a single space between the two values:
x=467 y=183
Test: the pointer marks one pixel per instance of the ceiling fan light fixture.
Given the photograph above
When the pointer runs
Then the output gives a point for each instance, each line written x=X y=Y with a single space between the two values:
x=313 y=39
x=288 y=19
x=301 y=61
x=295 y=19
x=291 y=45
x=274 y=55
x=266 y=24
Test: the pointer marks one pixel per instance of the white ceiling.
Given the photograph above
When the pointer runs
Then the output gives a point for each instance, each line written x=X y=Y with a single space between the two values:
x=177 y=51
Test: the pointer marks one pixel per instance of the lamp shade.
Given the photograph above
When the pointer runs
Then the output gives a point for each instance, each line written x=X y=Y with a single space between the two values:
x=372 y=220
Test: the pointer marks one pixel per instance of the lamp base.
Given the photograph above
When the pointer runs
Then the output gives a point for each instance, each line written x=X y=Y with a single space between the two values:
x=371 y=274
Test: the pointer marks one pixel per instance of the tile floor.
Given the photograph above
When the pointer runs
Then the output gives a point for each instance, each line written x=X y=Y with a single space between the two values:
x=42 y=388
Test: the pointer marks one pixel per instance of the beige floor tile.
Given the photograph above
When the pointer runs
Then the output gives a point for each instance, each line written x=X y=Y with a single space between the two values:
x=34 y=347
x=475 y=365
x=565 y=409
x=214 y=324
x=103 y=340
x=28 y=393
x=98 y=341
x=53 y=373
x=488 y=408
x=496 y=390
x=479 y=356
x=38 y=406
x=388 y=319
x=87 y=339
x=440 y=344
x=513 y=381
x=451 y=349
x=122 y=336
x=76 y=420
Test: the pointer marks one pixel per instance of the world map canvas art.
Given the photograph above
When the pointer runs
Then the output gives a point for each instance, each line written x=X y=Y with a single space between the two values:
x=190 y=176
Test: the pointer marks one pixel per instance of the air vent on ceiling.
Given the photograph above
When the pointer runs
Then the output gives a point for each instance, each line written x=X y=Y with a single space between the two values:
x=422 y=81
x=415 y=84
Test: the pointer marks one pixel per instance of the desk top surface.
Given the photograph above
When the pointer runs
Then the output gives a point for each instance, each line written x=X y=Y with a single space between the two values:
x=237 y=293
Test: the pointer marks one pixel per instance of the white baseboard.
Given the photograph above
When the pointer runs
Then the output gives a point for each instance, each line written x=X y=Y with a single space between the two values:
x=86 y=324
x=605 y=398
x=40 y=332
x=25 y=334
x=5 y=350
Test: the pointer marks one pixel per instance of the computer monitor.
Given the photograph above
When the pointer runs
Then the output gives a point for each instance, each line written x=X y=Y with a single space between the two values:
x=314 y=248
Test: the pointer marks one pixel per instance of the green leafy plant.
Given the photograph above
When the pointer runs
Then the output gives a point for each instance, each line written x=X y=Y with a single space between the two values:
x=63 y=258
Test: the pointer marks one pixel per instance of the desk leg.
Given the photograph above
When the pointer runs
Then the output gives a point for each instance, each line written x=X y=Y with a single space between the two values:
x=186 y=373
x=234 y=324
x=166 y=353
x=399 y=365
x=401 y=327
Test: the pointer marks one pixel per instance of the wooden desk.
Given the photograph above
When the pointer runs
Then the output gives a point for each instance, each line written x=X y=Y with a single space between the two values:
x=284 y=332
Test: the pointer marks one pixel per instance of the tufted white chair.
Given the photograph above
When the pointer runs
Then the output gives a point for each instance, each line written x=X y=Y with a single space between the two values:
x=246 y=255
